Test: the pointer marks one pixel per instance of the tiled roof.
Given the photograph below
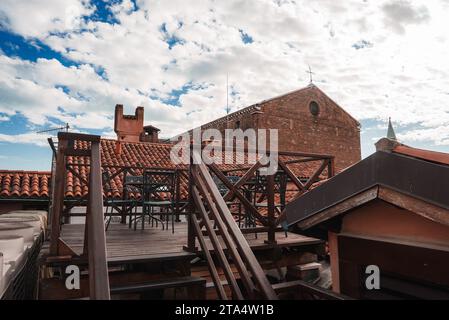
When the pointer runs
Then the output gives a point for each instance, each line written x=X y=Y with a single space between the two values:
x=24 y=184
x=432 y=156
x=144 y=155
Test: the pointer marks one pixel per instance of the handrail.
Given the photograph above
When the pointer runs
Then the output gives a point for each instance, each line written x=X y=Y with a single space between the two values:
x=249 y=269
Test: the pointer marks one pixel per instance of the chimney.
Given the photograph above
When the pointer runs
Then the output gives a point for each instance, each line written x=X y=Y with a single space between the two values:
x=386 y=144
x=150 y=134
x=128 y=127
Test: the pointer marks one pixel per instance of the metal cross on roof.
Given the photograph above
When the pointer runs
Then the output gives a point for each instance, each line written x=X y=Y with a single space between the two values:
x=310 y=74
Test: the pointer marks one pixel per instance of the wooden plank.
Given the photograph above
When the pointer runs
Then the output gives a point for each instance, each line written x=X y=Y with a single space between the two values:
x=247 y=204
x=217 y=246
x=305 y=287
x=229 y=195
x=415 y=205
x=316 y=174
x=247 y=254
x=291 y=175
x=229 y=241
x=98 y=268
x=339 y=208
x=58 y=198
x=271 y=217
x=210 y=263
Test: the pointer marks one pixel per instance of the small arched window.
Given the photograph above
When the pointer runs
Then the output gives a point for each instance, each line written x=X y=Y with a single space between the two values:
x=314 y=108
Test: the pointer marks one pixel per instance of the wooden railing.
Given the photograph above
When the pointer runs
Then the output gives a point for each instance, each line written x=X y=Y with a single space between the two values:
x=94 y=235
x=209 y=208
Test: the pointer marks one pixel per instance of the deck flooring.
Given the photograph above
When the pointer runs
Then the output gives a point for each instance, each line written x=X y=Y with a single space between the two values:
x=123 y=242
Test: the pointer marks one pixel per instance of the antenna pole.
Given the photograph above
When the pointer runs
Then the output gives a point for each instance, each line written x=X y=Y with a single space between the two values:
x=227 y=93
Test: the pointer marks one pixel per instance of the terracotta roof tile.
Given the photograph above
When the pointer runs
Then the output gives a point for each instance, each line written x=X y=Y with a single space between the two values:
x=432 y=156
x=24 y=184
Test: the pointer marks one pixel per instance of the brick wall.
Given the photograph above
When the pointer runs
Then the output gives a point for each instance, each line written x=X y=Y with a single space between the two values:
x=128 y=127
x=332 y=131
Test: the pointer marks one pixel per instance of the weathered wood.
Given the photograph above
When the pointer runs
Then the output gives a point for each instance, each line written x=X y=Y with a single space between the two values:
x=217 y=246
x=124 y=243
x=228 y=239
x=316 y=174
x=58 y=198
x=337 y=209
x=420 y=207
x=229 y=195
x=302 y=287
x=247 y=254
x=161 y=284
x=292 y=176
x=98 y=268
x=247 y=204
x=64 y=249
x=210 y=263
x=271 y=204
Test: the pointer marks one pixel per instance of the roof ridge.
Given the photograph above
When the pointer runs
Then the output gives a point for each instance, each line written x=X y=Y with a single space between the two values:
x=23 y=171
x=140 y=142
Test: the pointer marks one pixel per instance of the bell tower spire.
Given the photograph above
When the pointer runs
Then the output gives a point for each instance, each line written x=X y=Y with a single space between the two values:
x=390 y=133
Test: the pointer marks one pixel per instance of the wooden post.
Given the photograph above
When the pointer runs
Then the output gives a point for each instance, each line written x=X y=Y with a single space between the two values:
x=58 y=200
x=190 y=211
x=124 y=195
x=270 y=202
x=98 y=268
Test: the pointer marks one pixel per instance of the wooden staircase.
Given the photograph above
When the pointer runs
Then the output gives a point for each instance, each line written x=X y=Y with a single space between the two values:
x=212 y=214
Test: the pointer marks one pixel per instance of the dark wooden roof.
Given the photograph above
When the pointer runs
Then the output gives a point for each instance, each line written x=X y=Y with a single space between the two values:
x=416 y=177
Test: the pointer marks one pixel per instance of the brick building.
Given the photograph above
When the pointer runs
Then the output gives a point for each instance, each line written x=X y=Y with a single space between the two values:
x=307 y=120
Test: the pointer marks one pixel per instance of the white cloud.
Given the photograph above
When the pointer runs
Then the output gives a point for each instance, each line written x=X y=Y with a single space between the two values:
x=376 y=59
x=26 y=138
x=37 y=18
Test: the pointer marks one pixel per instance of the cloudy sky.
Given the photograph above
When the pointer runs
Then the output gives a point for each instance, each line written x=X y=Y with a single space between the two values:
x=73 y=60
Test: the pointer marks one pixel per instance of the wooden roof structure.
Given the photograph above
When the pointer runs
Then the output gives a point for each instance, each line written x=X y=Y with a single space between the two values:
x=414 y=179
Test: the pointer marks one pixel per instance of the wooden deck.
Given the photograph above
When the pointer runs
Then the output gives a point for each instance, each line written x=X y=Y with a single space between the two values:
x=154 y=243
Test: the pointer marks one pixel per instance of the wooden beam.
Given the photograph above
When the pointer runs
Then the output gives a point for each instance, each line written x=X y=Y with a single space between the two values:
x=229 y=195
x=210 y=263
x=216 y=215
x=58 y=198
x=415 y=205
x=217 y=246
x=98 y=268
x=247 y=254
x=270 y=201
x=316 y=174
x=291 y=175
x=246 y=203
x=339 y=208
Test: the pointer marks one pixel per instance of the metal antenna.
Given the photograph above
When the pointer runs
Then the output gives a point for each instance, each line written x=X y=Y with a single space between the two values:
x=66 y=128
x=227 y=94
x=310 y=74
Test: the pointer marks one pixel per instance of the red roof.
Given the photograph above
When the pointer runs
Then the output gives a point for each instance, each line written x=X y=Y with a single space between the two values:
x=432 y=156
x=138 y=155
x=24 y=184
x=144 y=155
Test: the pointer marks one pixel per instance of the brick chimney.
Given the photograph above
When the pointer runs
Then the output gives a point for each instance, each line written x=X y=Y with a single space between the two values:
x=150 y=134
x=128 y=127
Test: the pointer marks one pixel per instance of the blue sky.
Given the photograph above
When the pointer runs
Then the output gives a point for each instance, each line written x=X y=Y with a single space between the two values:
x=72 y=61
